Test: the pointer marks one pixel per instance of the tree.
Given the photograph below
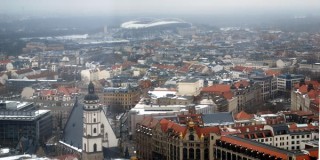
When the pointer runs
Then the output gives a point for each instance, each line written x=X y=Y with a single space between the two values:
x=116 y=109
x=40 y=152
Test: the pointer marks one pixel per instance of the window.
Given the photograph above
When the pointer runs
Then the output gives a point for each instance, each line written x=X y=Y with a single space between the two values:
x=198 y=154
x=185 y=153
x=191 y=153
x=292 y=142
x=308 y=136
x=292 y=147
x=191 y=137
x=102 y=128
x=84 y=147
x=302 y=136
x=292 y=137
x=94 y=120
x=94 y=130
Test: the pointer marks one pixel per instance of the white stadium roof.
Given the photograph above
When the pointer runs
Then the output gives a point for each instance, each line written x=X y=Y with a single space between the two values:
x=139 y=24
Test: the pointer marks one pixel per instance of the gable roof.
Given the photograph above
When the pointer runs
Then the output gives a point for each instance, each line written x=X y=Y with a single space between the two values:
x=73 y=130
x=244 y=83
x=218 y=88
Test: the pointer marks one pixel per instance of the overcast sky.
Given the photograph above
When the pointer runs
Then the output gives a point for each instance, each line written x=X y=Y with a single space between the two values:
x=125 y=7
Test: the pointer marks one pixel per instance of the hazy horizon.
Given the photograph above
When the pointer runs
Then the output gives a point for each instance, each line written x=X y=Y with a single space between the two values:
x=68 y=8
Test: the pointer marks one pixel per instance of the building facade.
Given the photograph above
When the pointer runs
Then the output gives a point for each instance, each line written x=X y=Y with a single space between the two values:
x=189 y=87
x=285 y=83
x=268 y=84
x=186 y=139
x=124 y=97
x=19 y=126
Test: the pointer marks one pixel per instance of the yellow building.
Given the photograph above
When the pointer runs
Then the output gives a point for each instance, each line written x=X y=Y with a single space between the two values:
x=124 y=97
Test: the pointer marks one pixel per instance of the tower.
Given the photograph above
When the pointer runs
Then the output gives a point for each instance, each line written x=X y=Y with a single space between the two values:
x=105 y=29
x=92 y=126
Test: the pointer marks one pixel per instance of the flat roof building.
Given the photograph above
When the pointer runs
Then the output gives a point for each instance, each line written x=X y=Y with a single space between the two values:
x=18 y=126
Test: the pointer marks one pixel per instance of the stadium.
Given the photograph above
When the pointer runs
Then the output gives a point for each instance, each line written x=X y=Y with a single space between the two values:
x=150 y=27
x=150 y=23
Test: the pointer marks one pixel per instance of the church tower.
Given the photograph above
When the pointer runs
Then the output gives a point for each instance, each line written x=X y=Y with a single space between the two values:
x=92 y=126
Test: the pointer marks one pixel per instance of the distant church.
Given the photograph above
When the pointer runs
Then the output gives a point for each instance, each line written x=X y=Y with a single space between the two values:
x=88 y=130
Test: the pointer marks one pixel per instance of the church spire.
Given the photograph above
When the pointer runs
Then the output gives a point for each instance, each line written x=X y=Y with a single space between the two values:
x=90 y=88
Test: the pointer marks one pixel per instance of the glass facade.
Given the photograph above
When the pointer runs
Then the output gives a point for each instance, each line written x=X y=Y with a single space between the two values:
x=37 y=129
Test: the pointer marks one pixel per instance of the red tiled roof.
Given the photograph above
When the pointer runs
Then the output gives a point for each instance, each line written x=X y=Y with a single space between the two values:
x=149 y=122
x=23 y=71
x=243 y=82
x=303 y=89
x=67 y=90
x=313 y=152
x=165 y=67
x=42 y=75
x=242 y=69
x=177 y=128
x=309 y=127
x=207 y=130
x=243 y=116
x=254 y=147
x=227 y=95
x=250 y=128
x=272 y=72
x=218 y=88
x=185 y=67
x=5 y=61
x=127 y=64
x=47 y=92
x=238 y=68
x=313 y=94
x=116 y=67
x=299 y=113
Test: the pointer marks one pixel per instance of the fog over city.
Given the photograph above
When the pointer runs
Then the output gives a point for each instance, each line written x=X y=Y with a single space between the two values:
x=159 y=79
x=188 y=7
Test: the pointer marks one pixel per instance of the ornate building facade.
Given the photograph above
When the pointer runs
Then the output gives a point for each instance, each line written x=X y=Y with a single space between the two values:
x=187 y=138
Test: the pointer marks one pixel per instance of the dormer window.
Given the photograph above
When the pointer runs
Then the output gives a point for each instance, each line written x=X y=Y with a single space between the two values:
x=191 y=137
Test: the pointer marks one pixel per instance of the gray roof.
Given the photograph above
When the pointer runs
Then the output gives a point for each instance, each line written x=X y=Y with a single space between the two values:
x=73 y=130
x=280 y=129
x=220 y=118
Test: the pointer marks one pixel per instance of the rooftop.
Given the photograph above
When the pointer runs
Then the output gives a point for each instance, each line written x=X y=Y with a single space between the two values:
x=260 y=147
x=216 y=119
x=22 y=115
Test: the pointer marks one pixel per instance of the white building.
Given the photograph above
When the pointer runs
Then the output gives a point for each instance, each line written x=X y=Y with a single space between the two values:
x=190 y=87
x=143 y=109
